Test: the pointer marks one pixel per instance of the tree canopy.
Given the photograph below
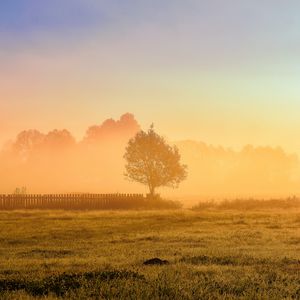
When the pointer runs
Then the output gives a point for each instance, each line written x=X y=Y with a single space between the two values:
x=150 y=160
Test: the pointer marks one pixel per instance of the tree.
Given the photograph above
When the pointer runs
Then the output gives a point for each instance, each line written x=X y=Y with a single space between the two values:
x=20 y=191
x=152 y=162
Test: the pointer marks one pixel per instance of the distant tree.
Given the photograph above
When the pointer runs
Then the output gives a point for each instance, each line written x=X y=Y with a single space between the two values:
x=152 y=162
x=111 y=129
x=27 y=142
x=21 y=191
x=59 y=139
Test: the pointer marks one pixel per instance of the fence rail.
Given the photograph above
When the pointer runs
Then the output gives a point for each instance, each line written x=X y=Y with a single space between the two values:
x=72 y=201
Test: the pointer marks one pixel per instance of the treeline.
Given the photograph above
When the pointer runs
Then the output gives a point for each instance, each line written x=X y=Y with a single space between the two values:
x=55 y=162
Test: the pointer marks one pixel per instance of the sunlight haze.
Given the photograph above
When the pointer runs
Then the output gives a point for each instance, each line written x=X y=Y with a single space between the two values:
x=221 y=73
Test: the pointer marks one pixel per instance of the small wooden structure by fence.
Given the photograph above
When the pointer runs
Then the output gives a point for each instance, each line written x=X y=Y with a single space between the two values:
x=72 y=201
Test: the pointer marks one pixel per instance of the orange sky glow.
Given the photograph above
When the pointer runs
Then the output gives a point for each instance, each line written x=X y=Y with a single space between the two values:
x=219 y=80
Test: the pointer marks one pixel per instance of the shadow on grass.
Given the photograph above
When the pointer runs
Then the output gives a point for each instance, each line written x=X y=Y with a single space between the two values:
x=47 y=253
x=237 y=261
x=61 y=284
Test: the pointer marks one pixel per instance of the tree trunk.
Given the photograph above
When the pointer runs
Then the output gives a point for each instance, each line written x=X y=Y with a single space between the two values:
x=152 y=191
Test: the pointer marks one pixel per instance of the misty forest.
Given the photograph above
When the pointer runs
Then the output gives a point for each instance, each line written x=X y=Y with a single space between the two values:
x=57 y=163
x=72 y=242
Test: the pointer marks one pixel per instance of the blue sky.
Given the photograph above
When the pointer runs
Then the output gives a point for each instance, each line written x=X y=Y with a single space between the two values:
x=231 y=30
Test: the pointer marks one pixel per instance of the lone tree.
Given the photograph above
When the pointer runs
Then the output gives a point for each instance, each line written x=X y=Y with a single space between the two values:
x=152 y=162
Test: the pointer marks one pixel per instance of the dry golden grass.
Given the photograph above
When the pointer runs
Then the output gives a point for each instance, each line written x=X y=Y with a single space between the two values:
x=99 y=255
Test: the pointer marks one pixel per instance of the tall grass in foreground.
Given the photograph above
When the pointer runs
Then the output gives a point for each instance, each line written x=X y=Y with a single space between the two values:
x=213 y=254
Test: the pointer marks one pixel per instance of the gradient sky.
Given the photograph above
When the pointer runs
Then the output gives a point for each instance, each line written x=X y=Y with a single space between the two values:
x=224 y=72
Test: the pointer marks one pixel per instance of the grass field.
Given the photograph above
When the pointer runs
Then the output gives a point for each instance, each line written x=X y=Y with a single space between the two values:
x=213 y=254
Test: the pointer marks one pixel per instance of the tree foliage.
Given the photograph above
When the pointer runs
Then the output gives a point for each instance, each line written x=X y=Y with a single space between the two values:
x=152 y=162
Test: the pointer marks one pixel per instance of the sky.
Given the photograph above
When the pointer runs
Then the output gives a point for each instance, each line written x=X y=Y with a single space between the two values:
x=222 y=72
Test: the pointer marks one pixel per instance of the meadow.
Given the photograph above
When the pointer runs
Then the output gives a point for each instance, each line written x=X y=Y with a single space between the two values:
x=212 y=254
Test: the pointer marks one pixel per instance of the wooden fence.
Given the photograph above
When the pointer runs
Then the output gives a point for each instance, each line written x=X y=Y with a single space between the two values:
x=72 y=201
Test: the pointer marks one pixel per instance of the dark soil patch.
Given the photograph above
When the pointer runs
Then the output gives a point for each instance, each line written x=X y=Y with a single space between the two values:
x=155 y=261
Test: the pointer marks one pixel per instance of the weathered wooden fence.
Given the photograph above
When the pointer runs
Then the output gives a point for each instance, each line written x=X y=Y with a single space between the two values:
x=72 y=201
